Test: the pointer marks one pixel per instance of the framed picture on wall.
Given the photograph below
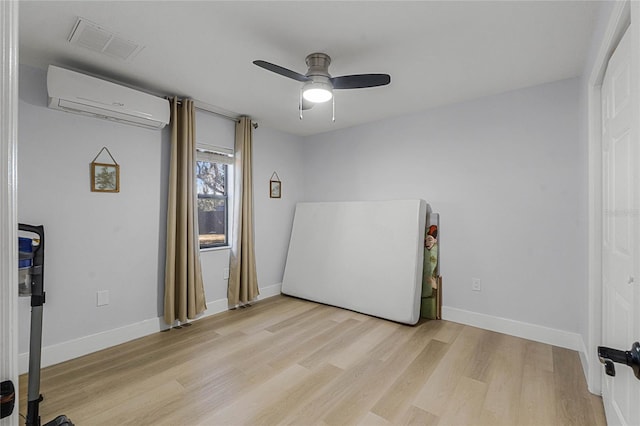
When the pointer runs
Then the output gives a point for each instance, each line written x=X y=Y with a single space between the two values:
x=105 y=177
x=275 y=189
x=275 y=186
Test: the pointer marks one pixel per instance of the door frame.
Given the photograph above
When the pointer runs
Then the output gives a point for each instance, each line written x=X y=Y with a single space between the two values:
x=622 y=14
x=8 y=194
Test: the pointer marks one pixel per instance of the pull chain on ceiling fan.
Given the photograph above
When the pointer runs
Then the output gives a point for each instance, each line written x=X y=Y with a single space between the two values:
x=318 y=84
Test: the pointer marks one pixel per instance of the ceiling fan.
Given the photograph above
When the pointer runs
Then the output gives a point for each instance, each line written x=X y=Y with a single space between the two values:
x=318 y=84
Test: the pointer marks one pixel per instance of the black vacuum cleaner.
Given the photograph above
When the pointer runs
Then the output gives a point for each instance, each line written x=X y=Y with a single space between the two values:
x=31 y=265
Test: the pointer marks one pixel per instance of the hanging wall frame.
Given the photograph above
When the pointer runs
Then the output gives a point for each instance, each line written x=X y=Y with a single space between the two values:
x=275 y=186
x=105 y=177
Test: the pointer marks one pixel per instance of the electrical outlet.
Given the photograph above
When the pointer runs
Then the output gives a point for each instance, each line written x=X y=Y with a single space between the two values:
x=102 y=298
x=476 y=284
x=225 y=274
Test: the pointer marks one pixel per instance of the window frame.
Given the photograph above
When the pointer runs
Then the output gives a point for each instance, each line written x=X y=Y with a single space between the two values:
x=227 y=157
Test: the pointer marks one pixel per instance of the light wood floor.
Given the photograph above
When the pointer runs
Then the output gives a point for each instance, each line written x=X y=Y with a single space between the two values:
x=288 y=361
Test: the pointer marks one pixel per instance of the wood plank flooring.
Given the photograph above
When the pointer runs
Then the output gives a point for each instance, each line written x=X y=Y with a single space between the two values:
x=293 y=362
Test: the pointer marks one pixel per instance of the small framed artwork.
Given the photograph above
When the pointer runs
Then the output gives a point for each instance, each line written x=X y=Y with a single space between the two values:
x=105 y=177
x=275 y=186
x=275 y=189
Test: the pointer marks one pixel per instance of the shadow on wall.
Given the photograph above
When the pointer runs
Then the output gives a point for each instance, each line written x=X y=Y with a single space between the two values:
x=36 y=93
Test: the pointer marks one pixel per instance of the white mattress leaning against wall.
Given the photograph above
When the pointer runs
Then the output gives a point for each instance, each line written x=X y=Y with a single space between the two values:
x=365 y=256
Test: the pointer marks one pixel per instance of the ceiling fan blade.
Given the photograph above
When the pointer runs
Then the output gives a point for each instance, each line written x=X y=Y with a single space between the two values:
x=358 y=81
x=282 y=71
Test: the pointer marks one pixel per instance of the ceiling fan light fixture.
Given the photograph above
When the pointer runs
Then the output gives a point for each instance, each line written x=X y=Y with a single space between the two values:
x=317 y=92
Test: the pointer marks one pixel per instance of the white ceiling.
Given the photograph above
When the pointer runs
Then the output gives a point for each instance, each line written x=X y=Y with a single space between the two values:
x=437 y=52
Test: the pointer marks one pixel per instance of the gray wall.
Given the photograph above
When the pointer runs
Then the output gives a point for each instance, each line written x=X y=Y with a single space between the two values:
x=505 y=173
x=94 y=241
x=115 y=242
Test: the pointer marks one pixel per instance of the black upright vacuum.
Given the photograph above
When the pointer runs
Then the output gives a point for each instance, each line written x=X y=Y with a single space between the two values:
x=36 y=279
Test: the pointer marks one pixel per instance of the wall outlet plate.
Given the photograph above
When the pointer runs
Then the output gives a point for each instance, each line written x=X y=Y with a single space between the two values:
x=102 y=298
x=476 y=284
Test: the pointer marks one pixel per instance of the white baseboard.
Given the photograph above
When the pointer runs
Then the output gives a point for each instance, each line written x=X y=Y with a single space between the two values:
x=270 y=291
x=584 y=360
x=537 y=333
x=60 y=352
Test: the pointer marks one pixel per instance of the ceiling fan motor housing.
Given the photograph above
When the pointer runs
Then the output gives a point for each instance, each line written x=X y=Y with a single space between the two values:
x=318 y=64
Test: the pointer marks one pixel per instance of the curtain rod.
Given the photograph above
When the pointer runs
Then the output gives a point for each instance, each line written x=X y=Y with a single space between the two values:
x=228 y=117
x=201 y=106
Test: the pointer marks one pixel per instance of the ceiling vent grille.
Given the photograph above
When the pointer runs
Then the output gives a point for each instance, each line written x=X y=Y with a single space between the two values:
x=99 y=39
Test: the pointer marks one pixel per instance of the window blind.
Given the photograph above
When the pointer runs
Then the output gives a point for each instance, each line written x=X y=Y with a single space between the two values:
x=214 y=154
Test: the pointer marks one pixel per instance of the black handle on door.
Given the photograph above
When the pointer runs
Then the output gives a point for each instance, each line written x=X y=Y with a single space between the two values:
x=631 y=358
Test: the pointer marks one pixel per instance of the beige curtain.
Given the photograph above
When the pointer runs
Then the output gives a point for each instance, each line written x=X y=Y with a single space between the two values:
x=243 y=280
x=183 y=287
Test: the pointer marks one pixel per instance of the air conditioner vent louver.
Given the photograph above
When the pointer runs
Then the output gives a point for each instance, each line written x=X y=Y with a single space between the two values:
x=90 y=37
x=78 y=93
x=120 y=48
x=99 y=39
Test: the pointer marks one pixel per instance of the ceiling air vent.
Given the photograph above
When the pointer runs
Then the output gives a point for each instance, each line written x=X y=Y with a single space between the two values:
x=99 y=39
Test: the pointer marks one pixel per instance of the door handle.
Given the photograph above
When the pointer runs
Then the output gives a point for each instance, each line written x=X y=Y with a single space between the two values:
x=631 y=358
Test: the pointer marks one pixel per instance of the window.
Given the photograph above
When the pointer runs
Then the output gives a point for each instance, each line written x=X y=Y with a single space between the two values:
x=213 y=172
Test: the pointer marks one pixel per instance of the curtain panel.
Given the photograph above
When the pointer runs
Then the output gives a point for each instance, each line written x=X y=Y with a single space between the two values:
x=243 y=279
x=184 y=290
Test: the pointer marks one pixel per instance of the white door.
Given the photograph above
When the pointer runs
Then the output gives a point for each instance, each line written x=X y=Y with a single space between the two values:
x=621 y=231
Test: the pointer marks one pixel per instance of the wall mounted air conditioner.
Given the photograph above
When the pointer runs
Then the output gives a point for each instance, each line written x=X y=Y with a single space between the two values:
x=78 y=93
